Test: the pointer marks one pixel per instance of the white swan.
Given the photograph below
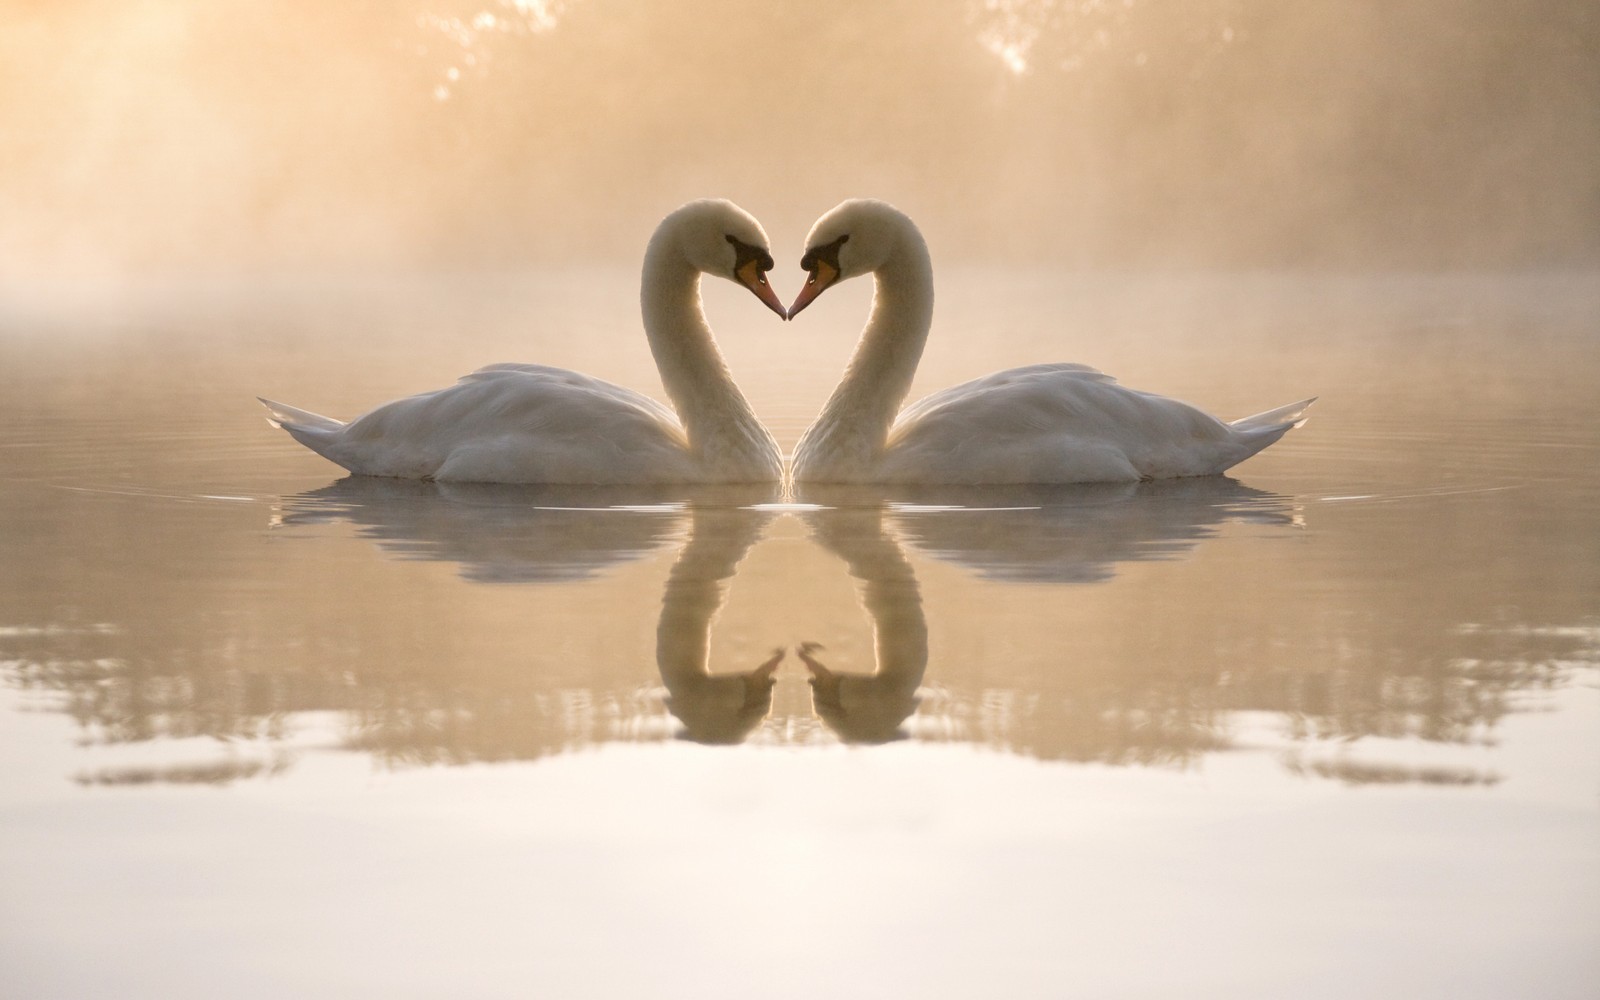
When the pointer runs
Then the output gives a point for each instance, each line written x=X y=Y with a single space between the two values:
x=513 y=423
x=1051 y=423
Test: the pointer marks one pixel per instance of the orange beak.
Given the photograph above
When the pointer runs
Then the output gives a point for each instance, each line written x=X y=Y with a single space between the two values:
x=821 y=277
x=752 y=277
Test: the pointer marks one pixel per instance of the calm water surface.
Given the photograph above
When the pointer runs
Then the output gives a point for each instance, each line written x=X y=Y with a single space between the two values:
x=1327 y=728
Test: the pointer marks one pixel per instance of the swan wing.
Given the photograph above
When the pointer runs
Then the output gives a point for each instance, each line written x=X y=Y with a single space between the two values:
x=661 y=410
x=516 y=424
x=994 y=381
x=1062 y=424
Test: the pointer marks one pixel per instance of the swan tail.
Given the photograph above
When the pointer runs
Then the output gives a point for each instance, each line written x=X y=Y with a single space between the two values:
x=319 y=433
x=1282 y=419
x=292 y=418
x=1252 y=434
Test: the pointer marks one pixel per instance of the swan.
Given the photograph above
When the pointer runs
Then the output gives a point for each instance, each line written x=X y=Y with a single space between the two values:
x=1047 y=423
x=515 y=423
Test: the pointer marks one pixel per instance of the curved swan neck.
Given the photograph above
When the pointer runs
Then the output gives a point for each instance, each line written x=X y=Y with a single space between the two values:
x=879 y=375
x=693 y=372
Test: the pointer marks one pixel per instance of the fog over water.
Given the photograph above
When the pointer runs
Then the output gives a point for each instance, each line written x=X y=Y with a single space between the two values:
x=162 y=136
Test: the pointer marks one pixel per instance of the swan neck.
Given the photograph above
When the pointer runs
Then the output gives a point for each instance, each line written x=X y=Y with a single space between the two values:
x=881 y=370
x=693 y=371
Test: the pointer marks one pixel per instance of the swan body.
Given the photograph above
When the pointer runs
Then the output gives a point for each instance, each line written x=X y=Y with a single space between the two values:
x=523 y=423
x=1048 y=423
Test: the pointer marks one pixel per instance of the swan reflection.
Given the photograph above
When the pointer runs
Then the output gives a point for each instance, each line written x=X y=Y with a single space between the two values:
x=721 y=707
x=1026 y=534
x=863 y=707
x=519 y=534
x=526 y=534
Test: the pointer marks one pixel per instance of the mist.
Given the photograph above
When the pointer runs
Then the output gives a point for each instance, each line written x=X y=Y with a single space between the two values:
x=179 y=136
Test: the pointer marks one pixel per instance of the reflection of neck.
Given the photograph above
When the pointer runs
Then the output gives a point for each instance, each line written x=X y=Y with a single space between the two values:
x=719 y=421
x=854 y=424
x=713 y=707
x=892 y=598
x=871 y=707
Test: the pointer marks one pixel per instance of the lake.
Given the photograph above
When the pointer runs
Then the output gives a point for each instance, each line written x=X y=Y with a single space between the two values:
x=1326 y=727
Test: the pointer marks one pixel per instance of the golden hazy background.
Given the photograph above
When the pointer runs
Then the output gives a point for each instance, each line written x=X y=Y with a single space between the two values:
x=161 y=136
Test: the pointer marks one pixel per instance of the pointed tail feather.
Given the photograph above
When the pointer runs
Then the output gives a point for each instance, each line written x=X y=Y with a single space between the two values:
x=292 y=418
x=320 y=434
x=1283 y=418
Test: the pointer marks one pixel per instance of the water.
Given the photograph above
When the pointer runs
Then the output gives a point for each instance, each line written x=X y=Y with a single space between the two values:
x=1326 y=728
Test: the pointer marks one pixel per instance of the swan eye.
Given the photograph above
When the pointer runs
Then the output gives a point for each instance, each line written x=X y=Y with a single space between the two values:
x=744 y=253
x=827 y=253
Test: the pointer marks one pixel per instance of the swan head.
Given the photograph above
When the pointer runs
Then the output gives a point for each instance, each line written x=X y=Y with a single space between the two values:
x=857 y=237
x=719 y=238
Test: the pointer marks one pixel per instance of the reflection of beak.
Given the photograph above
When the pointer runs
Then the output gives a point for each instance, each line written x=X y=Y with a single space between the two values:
x=758 y=682
x=824 y=682
x=752 y=277
x=822 y=276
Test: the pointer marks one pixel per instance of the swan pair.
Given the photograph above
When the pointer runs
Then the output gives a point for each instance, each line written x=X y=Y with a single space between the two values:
x=1052 y=423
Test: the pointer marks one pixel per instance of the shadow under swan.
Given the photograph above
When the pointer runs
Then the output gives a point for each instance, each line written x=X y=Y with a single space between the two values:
x=511 y=534
x=1077 y=534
